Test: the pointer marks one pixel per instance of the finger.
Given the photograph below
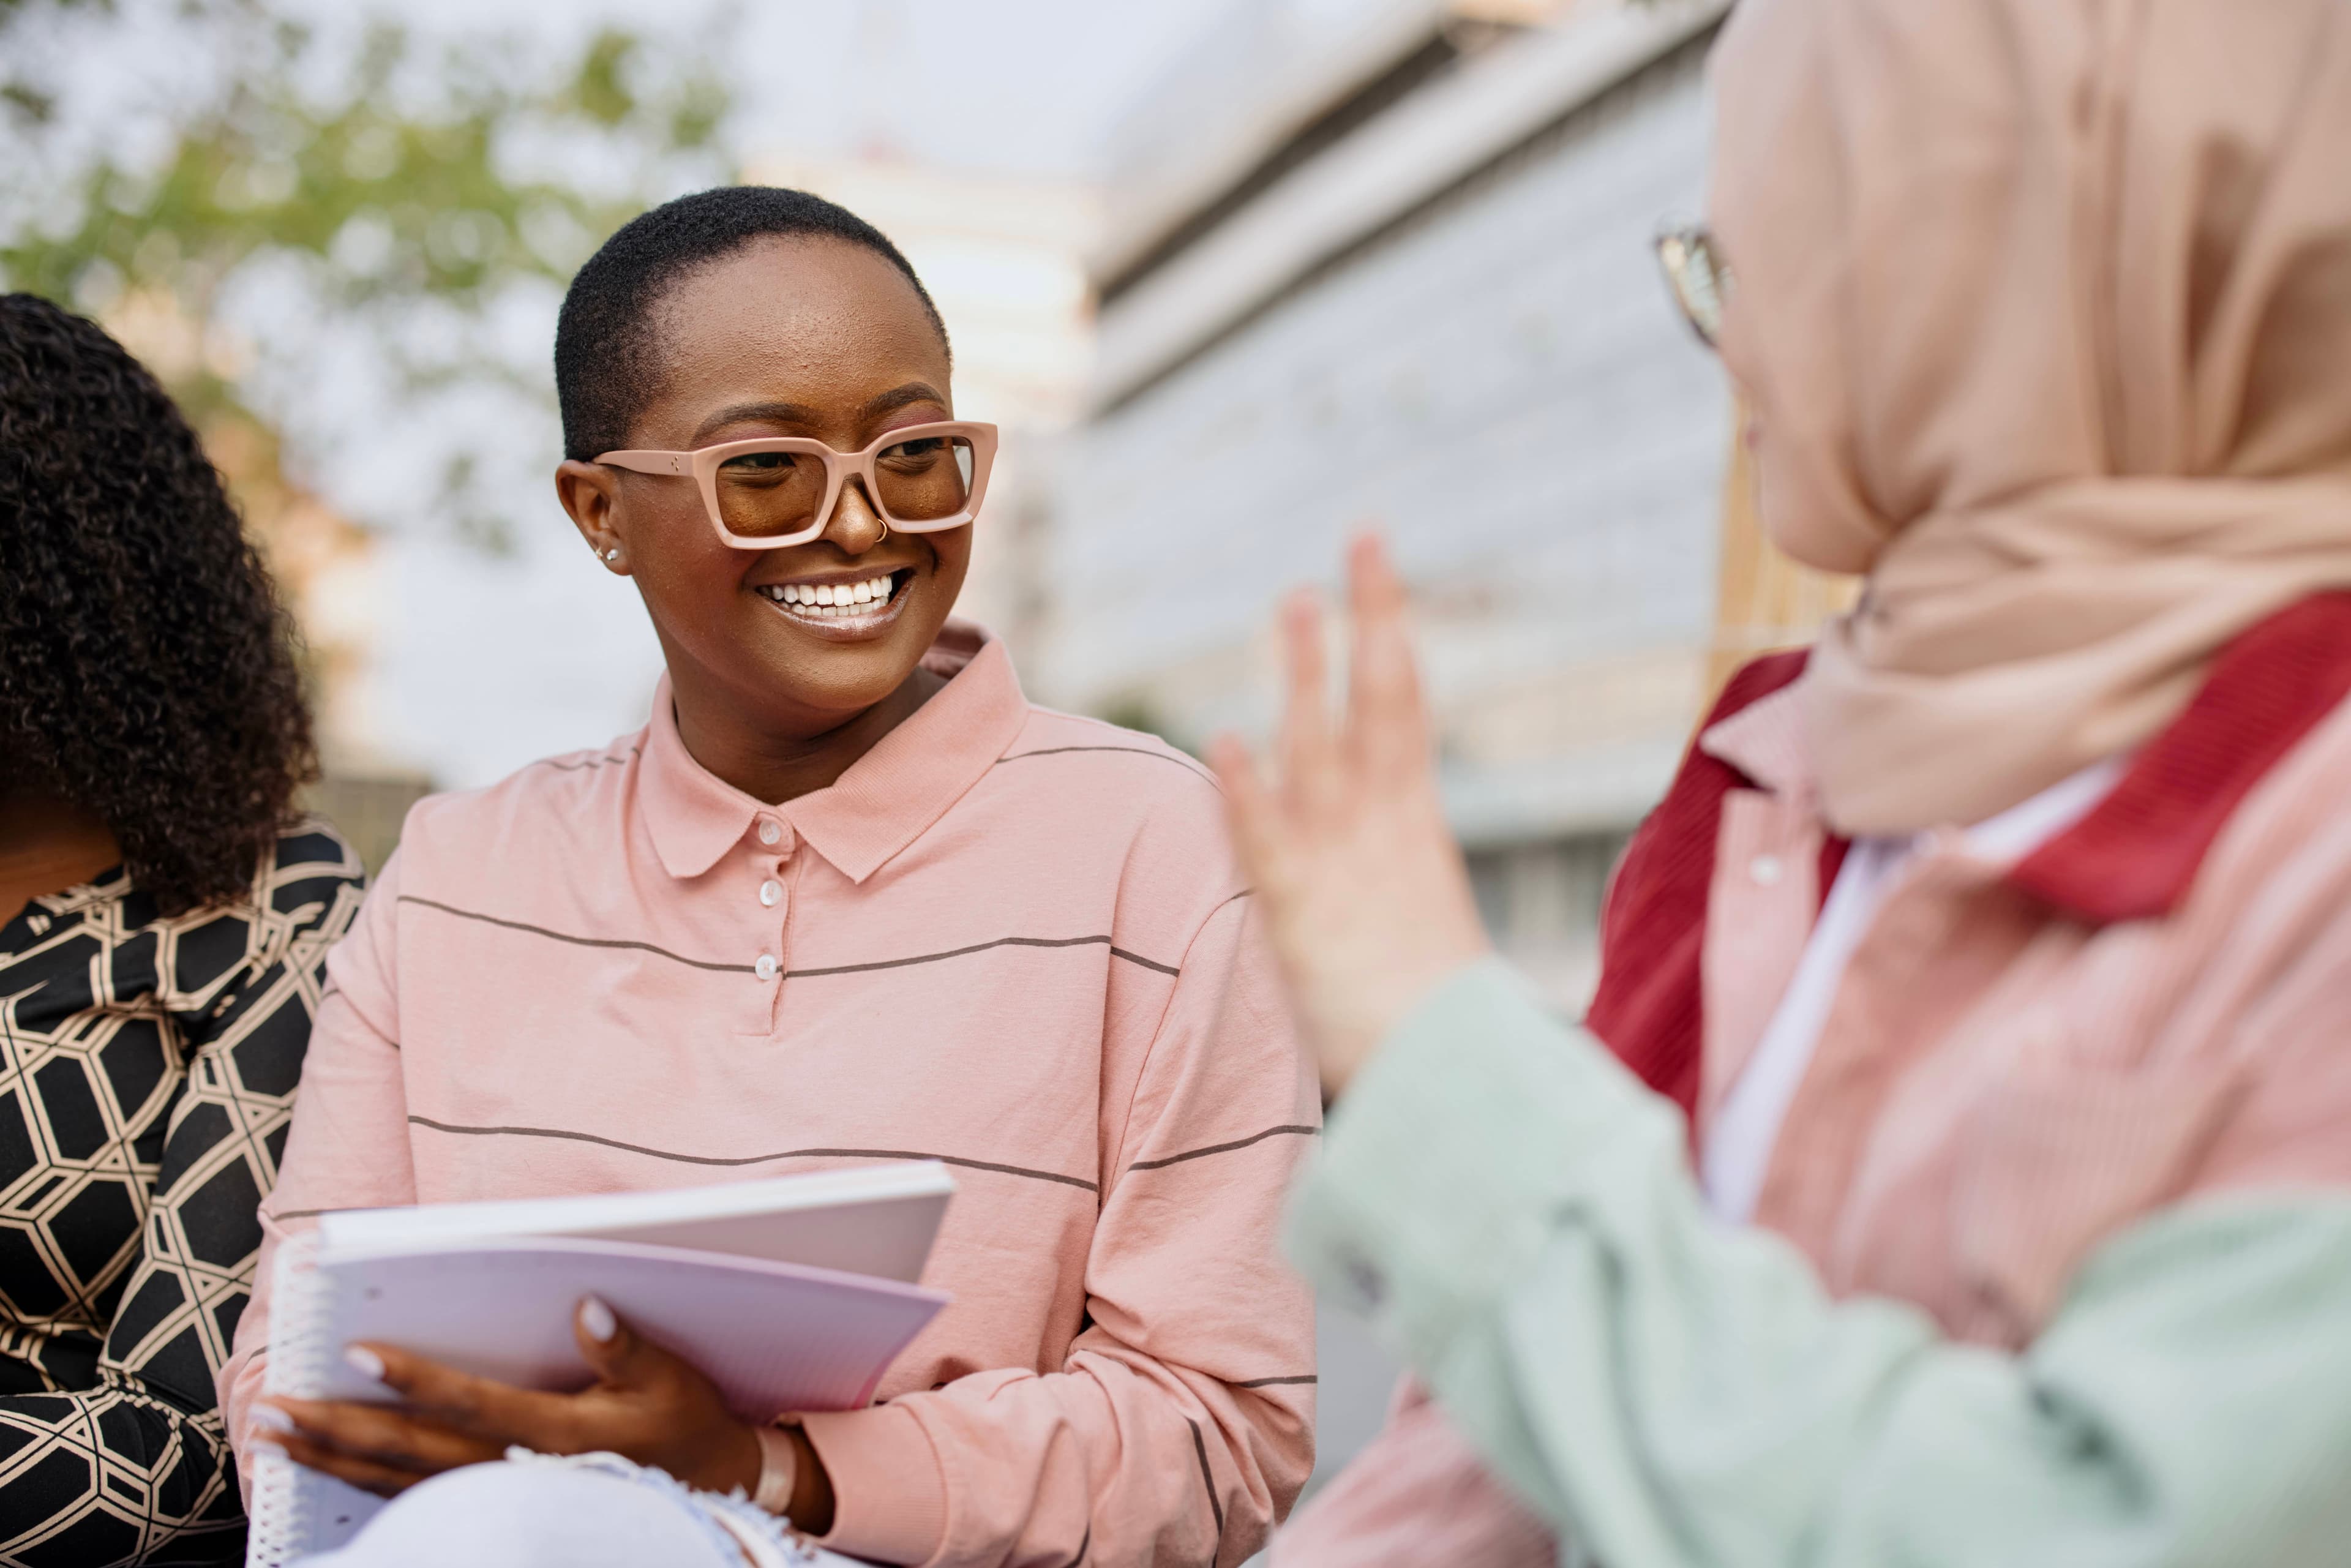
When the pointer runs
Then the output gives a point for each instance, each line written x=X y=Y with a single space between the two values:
x=385 y=1435
x=1309 y=758
x=1387 y=723
x=481 y=1406
x=617 y=1354
x=1250 y=806
x=368 y=1475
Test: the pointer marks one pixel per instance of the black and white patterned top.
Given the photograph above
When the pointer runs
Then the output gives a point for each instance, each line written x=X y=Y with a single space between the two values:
x=147 y=1074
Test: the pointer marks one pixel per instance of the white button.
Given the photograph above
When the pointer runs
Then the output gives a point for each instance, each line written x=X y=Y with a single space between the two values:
x=770 y=890
x=1766 y=870
x=768 y=830
x=765 y=968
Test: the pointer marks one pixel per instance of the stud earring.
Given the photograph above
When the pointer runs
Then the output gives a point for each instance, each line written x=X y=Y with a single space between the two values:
x=612 y=555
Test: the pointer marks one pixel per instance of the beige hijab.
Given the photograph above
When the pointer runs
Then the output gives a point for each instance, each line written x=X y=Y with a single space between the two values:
x=2045 y=307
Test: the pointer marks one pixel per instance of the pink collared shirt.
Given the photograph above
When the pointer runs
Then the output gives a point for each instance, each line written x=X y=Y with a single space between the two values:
x=1007 y=938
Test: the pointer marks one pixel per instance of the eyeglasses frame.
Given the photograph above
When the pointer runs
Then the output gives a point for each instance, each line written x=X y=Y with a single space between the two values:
x=1684 y=252
x=702 y=464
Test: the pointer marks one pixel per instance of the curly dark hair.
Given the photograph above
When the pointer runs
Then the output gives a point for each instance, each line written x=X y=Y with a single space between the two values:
x=150 y=672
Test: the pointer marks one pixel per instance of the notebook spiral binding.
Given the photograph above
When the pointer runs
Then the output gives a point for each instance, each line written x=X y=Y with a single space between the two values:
x=278 y=1535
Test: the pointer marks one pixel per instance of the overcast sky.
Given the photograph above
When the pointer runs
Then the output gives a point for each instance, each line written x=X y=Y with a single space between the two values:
x=1026 y=85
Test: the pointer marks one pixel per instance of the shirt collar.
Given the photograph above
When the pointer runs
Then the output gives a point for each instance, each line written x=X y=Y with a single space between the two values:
x=1764 y=741
x=2134 y=854
x=882 y=803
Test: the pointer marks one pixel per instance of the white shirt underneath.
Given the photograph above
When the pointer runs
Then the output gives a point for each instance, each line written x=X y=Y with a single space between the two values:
x=1738 y=1145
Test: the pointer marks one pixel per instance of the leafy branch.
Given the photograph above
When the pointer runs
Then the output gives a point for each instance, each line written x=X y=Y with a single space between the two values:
x=413 y=193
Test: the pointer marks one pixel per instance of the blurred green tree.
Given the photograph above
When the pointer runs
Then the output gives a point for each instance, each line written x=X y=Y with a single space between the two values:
x=410 y=188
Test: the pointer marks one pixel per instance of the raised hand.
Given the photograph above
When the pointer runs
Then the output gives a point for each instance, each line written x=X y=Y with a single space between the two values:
x=1361 y=883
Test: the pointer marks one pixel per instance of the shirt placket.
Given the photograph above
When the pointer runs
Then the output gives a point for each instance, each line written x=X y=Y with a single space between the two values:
x=1882 y=1018
x=1760 y=909
x=771 y=844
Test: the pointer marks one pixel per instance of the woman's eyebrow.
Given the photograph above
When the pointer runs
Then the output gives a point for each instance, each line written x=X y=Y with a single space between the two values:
x=777 y=412
x=800 y=413
x=899 y=397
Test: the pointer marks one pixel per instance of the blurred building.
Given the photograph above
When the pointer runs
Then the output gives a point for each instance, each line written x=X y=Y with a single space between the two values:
x=1392 y=263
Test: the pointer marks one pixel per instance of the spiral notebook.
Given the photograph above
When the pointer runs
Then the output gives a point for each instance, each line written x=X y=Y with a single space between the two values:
x=756 y=1301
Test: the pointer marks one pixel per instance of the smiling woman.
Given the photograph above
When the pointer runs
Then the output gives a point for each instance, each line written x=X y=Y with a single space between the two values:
x=846 y=897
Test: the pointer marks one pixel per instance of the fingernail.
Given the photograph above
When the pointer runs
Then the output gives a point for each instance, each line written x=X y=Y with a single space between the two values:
x=598 y=1320
x=364 y=1361
x=272 y=1420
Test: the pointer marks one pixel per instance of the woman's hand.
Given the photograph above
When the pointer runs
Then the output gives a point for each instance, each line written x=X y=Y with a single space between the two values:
x=646 y=1405
x=1362 y=884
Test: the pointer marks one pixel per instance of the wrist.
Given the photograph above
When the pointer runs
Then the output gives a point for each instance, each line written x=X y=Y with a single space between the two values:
x=735 y=1463
x=812 y=1506
x=1383 y=1004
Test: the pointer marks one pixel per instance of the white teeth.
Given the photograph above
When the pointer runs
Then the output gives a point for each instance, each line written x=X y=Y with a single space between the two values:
x=834 y=601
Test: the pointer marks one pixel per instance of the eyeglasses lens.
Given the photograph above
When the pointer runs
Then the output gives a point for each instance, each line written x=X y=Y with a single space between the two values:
x=768 y=495
x=925 y=479
x=763 y=495
x=1699 y=281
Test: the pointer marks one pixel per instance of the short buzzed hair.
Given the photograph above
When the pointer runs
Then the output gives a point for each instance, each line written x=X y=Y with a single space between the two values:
x=606 y=363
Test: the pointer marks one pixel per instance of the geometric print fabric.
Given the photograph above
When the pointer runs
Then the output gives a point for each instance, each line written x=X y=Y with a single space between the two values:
x=147 y=1076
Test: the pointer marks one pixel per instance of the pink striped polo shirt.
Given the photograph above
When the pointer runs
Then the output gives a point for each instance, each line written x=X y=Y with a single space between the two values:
x=1007 y=938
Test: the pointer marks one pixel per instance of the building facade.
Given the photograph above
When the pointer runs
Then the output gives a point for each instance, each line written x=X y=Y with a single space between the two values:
x=1402 y=274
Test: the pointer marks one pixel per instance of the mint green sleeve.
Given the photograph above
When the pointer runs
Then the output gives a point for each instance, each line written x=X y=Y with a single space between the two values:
x=1517 y=1213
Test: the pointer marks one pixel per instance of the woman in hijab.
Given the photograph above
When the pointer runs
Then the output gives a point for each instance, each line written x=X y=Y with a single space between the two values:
x=1955 y=1165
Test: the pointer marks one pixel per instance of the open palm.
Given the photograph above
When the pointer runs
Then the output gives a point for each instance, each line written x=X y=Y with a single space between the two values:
x=1361 y=883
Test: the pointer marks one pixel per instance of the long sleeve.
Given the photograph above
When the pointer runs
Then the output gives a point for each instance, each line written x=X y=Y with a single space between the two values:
x=1417 y=1494
x=1667 y=1390
x=347 y=1146
x=138 y=1465
x=1180 y=1426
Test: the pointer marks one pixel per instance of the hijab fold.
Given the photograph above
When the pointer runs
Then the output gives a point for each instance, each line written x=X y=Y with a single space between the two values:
x=2045 y=307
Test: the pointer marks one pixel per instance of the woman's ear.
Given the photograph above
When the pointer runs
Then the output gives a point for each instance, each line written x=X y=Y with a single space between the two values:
x=590 y=493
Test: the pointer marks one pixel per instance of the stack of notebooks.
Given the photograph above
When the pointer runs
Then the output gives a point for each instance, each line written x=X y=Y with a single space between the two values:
x=792 y=1294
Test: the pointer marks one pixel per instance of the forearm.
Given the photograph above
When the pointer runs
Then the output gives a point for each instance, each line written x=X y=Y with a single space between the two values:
x=1671 y=1391
x=1417 y=1494
x=156 y=1463
x=1131 y=1463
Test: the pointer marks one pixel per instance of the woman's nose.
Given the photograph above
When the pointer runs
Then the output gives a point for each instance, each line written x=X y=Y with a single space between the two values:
x=856 y=525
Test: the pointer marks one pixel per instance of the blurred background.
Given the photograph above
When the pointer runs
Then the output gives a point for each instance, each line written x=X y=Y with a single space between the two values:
x=1305 y=265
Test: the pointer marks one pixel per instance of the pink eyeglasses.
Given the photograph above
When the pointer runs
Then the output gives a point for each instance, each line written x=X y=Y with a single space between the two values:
x=780 y=491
